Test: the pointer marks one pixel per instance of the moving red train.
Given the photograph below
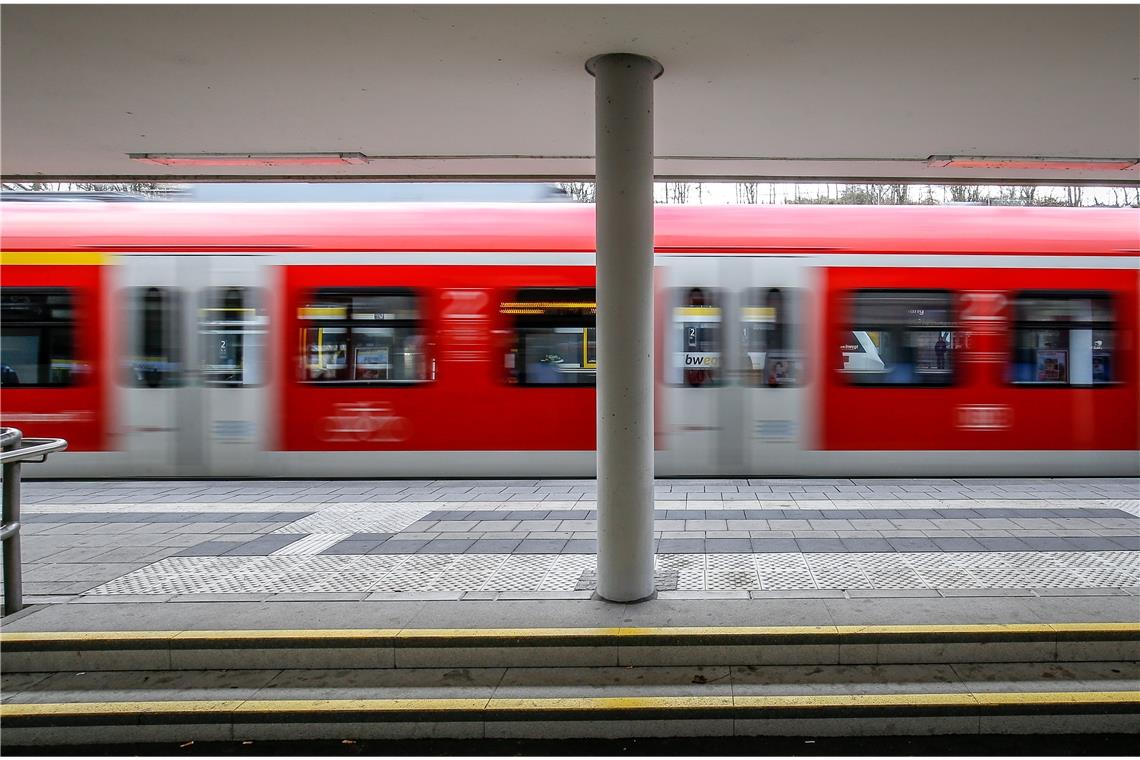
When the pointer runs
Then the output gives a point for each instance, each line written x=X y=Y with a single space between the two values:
x=390 y=340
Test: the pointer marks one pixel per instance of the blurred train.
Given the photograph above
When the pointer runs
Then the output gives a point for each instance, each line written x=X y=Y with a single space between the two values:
x=285 y=339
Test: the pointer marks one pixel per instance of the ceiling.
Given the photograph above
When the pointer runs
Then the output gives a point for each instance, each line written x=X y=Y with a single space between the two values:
x=469 y=91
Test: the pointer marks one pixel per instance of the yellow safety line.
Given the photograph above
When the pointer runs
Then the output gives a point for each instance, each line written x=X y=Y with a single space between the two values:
x=39 y=258
x=546 y=633
x=584 y=704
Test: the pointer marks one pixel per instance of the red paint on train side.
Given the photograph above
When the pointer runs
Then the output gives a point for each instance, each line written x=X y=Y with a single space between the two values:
x=936 y=418
x=480 y=228
x=79 y=412
x=470 y=405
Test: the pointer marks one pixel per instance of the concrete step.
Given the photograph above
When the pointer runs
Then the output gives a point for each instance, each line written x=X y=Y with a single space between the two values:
x=52 y=651
x=718 y=700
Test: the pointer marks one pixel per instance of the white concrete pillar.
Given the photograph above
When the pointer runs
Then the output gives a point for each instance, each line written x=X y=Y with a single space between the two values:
x=623 y=102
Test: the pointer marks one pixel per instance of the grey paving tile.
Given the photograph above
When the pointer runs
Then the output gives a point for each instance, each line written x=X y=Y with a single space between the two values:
x=493 y=546
x=580 y=546
x=959 y=545
x=682 y=546
x=768 y=545
x=399 y=546
x=206 y=549
x=540 y=546
x=728 y=545
x=1000 y=544
x=913 y=544
x=443 y=546
x=820 y=544
x=867 y=545
x=352 y=547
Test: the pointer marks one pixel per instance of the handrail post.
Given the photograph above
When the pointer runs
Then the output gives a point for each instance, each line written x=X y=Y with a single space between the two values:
x=13 y=582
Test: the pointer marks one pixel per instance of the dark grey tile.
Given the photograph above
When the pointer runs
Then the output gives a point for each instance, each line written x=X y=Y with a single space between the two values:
x=724 y=514
x=446 y=546
x=399 y=546
x=767 y=545
x=820 y=544
x=540 y=546
x=1098 y=543
x=523 y=514
x=764 y=514
x=728 y=545
x=867 y=545
x=913 y=544
x=580 y=546
x=682 y=546
x=351 y=547
x=566 y=514
x=959 y=545
x=370 y=536
x=1046 y=543
x=493 y=546
x=206 y=549
x=1131 y=543
x=1000 y=544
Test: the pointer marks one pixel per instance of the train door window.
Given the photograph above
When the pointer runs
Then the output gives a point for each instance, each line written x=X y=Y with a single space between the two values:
x=770 y=354
x=1063 y=339
x=900 y=337
x=232 y=325
x=362 y=337
x=696 y=337
x=554 y=337
x=155 y=359
x=37 y=338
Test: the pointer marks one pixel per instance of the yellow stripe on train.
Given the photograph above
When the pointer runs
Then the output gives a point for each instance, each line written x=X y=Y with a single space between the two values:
x=48 y=258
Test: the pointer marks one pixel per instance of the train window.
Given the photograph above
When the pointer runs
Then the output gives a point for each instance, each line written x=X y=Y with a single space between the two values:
x=695 y=336
x=362 y=336
x=770 y=338
x=900 y=337
x=37 y=338
x=1063 y=339
x=155 y=360
x=554 y=337
x=232 y=325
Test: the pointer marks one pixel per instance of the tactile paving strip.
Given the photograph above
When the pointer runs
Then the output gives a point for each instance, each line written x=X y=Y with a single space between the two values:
x=693 y=572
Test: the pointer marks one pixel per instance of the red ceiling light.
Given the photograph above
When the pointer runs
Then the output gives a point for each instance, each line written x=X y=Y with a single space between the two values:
x=1030 y=162
x=250 y=159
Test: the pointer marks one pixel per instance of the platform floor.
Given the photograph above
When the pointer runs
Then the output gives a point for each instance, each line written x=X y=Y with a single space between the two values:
x=252 y=541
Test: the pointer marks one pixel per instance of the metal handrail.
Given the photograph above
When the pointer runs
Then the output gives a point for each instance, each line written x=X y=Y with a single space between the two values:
x=14 y=450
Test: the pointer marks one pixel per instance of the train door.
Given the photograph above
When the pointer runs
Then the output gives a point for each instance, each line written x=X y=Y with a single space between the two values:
x=693 y=367
x=770 y=326
x=232 y=330
x=157 y=390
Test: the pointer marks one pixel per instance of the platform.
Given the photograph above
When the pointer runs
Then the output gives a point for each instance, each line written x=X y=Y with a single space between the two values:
x=164 y=611
x=165 y=541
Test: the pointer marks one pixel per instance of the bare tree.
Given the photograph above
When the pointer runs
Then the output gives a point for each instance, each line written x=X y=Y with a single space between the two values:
x=582 y=192
x=746 y=192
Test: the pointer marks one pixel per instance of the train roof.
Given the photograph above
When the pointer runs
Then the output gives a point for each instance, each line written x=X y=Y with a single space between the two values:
x=210 y=227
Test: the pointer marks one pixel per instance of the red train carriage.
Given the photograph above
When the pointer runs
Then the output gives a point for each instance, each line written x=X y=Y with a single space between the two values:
x=406 y=340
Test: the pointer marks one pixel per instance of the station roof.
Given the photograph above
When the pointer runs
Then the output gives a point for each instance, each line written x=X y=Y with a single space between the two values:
x=570 y=227
x=439 y=91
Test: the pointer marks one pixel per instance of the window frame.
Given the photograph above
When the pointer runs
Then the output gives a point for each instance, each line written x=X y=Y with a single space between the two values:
x=1015 y=326
x=260 y=325
x=172 y=334
x=786 y=324
x=519 y=322
x=347 y=323
x=45 y=327
x=952 y=379
x=677 y=296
